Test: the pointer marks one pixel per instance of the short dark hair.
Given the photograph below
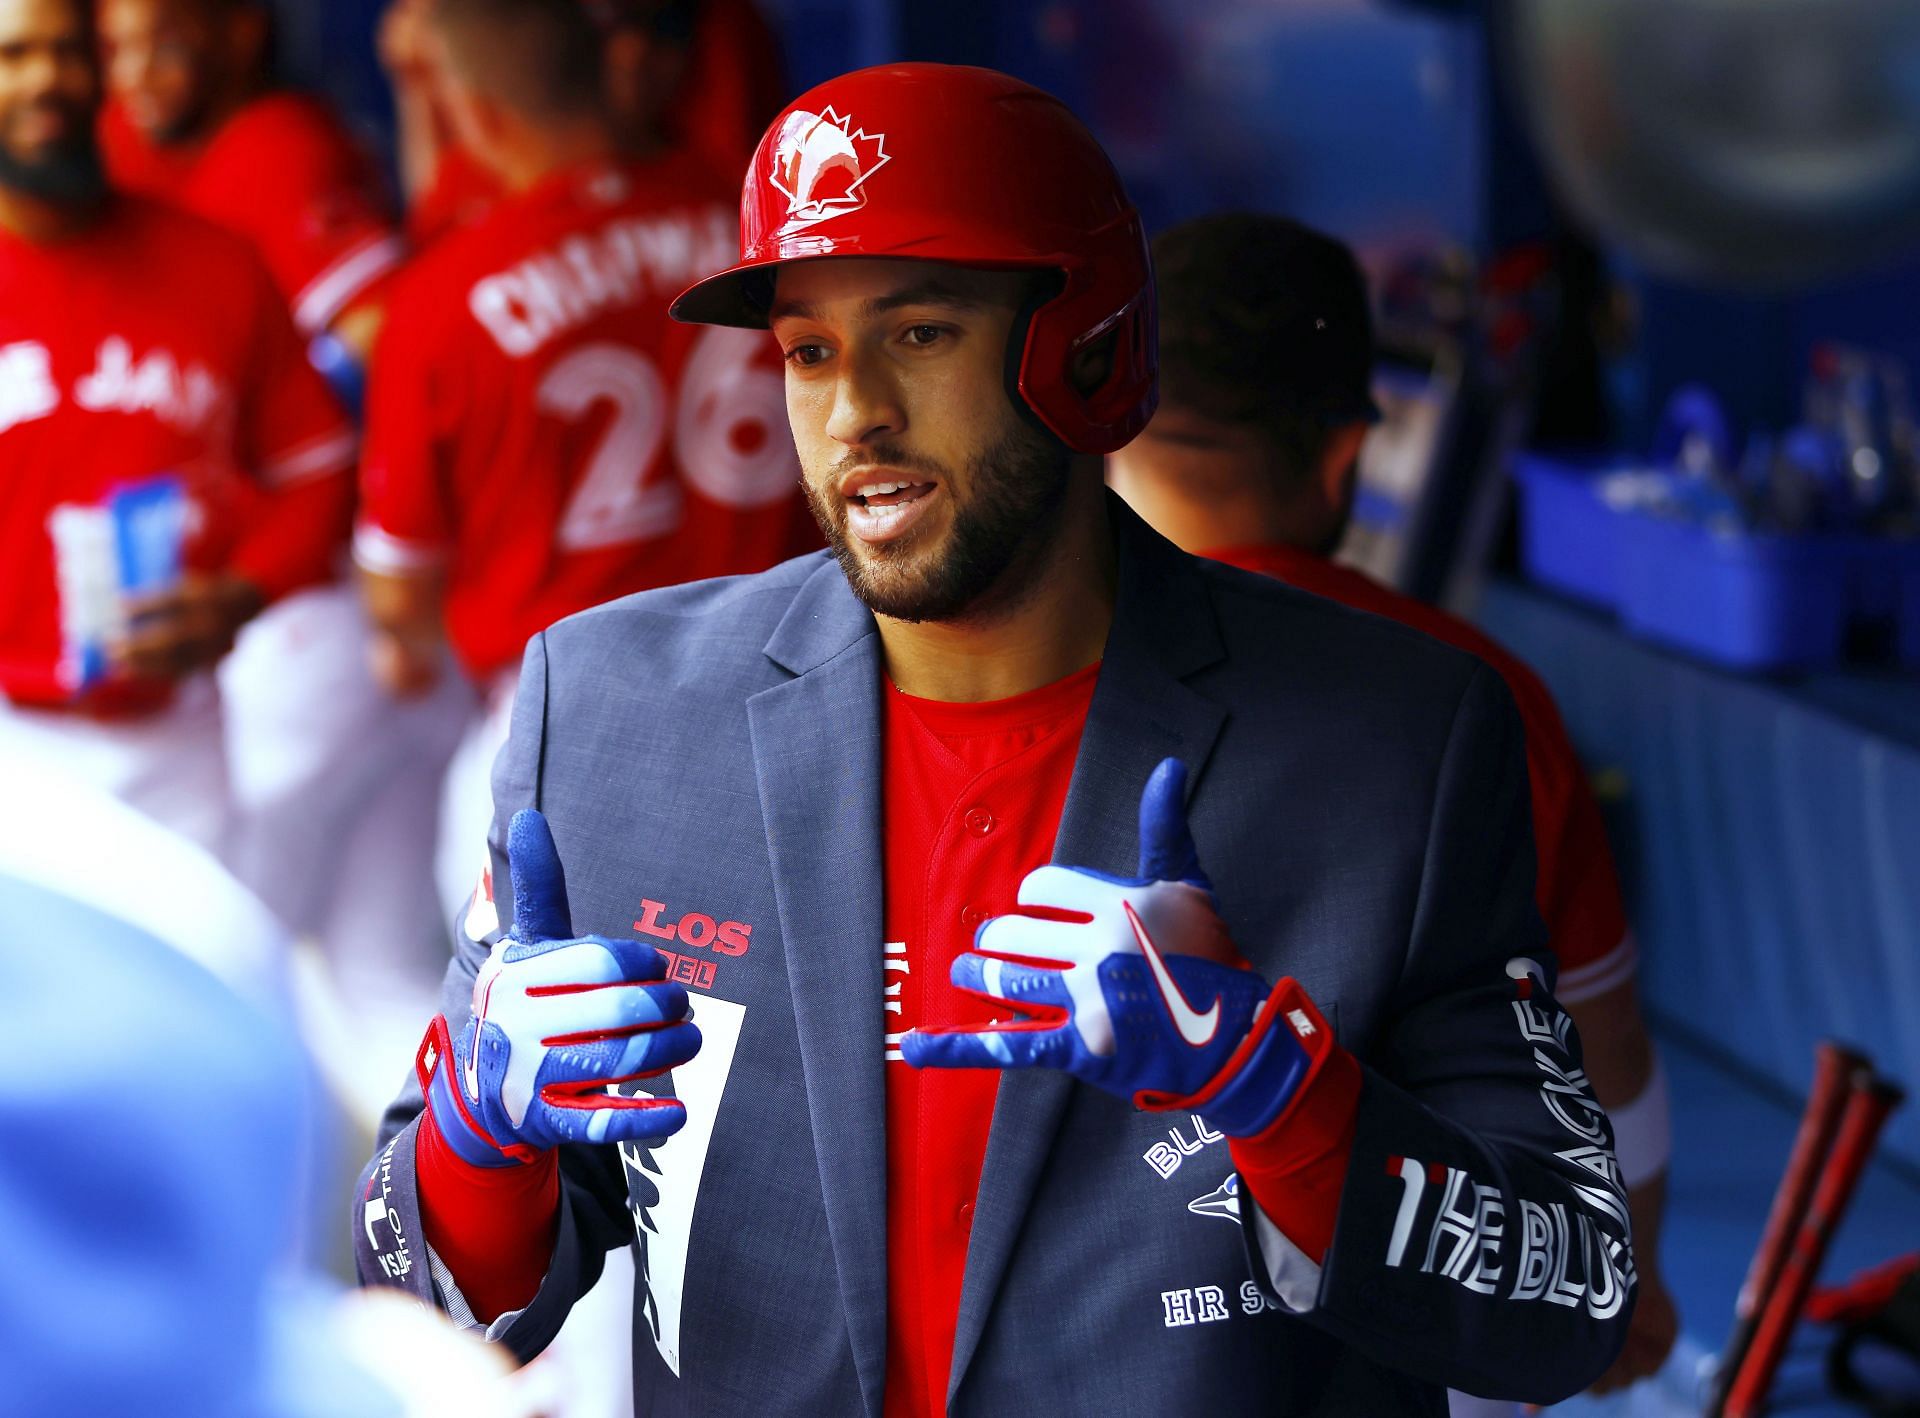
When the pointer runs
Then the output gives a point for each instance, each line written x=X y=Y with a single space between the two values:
x=540 y=57
x=1264 y=323
x=668 y=20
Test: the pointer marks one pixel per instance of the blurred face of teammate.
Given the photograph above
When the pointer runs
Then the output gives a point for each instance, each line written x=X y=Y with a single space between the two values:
x=165 y=63
x=49 y=95
x=939 y=500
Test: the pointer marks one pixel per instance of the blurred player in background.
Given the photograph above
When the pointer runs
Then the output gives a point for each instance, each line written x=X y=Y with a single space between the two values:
x=1266 y=355
x=332 y=782
x=703 y=75
x=137 y=342
x=194 y=120
x=540 y=438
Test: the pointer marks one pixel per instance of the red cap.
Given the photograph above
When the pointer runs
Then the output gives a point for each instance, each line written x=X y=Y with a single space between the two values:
x=938 y=162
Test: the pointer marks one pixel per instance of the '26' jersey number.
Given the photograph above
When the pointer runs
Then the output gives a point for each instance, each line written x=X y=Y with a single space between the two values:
x=729 y=436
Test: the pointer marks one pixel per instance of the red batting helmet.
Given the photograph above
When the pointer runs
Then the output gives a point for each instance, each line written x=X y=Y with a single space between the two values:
x=938 y=162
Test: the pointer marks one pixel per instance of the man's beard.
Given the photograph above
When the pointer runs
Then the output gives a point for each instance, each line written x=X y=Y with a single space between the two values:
x=994 y=551
x=66 y=176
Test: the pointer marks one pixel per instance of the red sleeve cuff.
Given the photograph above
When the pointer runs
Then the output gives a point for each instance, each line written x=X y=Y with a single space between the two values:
x=1296 y=1169
x=492 y=1227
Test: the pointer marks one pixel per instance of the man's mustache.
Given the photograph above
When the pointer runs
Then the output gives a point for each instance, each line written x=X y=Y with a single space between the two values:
x=891 y=455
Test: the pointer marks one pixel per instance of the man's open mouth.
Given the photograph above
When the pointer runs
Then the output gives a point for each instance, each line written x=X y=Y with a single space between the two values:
x=882 y=509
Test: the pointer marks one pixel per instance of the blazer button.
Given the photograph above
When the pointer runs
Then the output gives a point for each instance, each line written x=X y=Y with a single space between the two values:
x=979 y=821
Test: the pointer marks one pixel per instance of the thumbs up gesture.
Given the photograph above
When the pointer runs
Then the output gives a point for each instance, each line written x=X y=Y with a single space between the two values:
x=1144 y=995
x=556 y=1019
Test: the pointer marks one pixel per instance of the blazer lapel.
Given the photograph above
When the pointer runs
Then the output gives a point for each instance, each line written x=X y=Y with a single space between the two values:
x=817 y=758
x=1163 y=629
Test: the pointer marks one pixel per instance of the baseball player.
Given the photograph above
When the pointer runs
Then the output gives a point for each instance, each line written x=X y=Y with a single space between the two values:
x=192 y=121
x=145 y=358
x=1092 y=979
x=540 y=437
x=1266 y=356
x=320 y=758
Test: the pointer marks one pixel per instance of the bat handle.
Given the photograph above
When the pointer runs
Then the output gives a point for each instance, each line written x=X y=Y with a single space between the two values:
x=1834 y=1067
x=1870 y=1101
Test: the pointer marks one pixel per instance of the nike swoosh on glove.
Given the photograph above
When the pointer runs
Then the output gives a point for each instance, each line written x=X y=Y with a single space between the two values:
x=1142 y=992
x=556 y=1019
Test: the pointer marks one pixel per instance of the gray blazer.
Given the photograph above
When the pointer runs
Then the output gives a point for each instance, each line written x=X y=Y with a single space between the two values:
x=709 y=758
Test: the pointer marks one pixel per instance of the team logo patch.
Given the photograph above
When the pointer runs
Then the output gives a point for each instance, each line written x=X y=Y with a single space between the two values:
x=1223 y=1201
x=821 y=164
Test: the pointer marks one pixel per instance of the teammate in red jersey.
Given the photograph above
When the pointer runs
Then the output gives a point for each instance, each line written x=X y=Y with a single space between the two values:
x=137 y=341
x=193 y=121
x=1265 y=360
x=540 y=437
x=328 y=774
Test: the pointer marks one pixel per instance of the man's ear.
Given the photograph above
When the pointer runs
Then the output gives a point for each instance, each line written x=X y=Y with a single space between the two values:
x=1340 y=461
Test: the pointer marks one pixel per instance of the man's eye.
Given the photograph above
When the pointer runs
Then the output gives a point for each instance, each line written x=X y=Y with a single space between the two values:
x=923 y=334
x=806 y=355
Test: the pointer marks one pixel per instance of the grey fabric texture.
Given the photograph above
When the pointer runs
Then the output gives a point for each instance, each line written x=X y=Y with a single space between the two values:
x=1359 y=798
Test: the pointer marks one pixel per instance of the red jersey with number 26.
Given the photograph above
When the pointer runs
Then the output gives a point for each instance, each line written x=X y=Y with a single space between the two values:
x=540 y=430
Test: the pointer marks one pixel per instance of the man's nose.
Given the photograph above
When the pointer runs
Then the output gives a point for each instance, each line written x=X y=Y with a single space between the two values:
x=866 y=401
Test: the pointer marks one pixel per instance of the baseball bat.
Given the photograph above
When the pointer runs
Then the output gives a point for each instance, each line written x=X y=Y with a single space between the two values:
x=1834 y=1065
x=1870 y=1101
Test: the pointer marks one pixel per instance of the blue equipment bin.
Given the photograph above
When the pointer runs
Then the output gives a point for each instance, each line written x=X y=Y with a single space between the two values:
x=1745 y=600
x=1569 y=537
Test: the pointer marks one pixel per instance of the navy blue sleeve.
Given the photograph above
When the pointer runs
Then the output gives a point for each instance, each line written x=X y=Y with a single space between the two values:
x=1483 y=1240
x=389 y=1247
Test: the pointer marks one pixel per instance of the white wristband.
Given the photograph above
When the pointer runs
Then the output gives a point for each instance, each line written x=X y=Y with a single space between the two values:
x=1643 y=1132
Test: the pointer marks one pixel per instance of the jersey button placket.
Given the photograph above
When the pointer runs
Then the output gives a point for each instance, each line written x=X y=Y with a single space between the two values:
x=979 y=821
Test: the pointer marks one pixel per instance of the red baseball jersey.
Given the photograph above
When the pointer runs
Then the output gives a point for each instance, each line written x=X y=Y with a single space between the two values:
x=540 y=429
x=974 y=794
x=284 y=174
x=155 y=343
x=1577 y=889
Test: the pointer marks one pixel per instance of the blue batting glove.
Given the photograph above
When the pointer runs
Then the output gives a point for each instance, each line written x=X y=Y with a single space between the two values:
x=1146 y=996
x=556 y=1019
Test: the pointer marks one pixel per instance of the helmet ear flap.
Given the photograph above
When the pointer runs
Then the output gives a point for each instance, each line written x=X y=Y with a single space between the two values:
x=1051 y=379
x=1044 y=289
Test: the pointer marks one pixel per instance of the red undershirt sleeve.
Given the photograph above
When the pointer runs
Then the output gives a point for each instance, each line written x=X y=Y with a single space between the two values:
x=1297 y=1167
x=492 y=1227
